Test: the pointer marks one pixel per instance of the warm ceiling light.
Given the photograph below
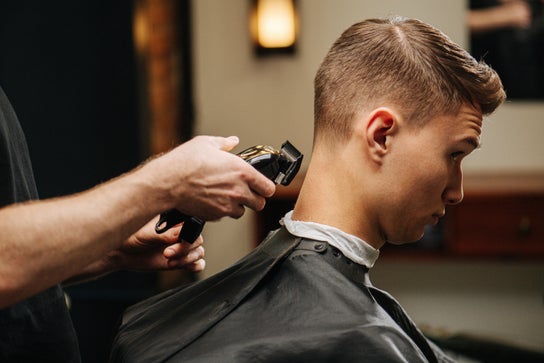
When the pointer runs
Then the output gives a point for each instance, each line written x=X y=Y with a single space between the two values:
x=274 y=26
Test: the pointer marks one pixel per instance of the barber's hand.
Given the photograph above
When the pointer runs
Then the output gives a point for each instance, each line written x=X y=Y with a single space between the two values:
x=147 y=250
x=207 y=181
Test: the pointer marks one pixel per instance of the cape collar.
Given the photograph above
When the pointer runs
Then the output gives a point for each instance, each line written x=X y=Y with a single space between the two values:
x=351 y=246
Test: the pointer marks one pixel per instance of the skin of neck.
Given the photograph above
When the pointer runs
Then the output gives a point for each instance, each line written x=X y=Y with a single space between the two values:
x=338 y=190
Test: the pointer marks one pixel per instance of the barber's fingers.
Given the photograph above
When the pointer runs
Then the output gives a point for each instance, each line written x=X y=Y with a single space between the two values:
x=254 y=201
x=224 y=143
x=196 y=266
x=190 y=258
x=182 y=249
x=249 y=198
x=255 y=180
x=258 y=184
x=253 y=194
x=262 y=186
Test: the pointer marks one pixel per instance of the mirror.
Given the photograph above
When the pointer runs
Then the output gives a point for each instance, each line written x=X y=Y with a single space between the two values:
x=509 y=36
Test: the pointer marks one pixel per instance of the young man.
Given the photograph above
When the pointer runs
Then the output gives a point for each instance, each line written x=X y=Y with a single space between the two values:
x=398 y=106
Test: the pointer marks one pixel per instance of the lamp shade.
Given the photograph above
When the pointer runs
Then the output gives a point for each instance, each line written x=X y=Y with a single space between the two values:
x=274 y=26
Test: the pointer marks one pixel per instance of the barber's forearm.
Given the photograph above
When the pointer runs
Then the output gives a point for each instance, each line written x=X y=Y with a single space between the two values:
x=46 y=242
x=515 y=14
x=91 y=272
x=484 y=20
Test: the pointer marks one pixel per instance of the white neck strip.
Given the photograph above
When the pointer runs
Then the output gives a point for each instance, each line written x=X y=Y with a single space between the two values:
x=352 y=247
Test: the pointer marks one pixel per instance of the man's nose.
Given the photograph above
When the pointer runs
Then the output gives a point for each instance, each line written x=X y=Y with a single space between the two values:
x=453 y=194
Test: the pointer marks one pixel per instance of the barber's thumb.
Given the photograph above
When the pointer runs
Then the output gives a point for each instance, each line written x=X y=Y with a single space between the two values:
x=229 y=143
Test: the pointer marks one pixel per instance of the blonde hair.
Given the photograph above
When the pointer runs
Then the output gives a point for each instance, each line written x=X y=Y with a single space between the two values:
x=402 y=61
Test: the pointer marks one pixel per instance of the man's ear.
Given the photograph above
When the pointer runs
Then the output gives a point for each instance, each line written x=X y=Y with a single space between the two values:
x=382 y=123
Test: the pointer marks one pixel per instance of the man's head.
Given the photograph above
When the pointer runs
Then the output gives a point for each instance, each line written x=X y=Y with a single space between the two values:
x=402 y=62
x=398 y=106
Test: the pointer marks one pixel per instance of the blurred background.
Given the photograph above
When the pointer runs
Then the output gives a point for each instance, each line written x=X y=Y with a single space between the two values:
x=99 y=86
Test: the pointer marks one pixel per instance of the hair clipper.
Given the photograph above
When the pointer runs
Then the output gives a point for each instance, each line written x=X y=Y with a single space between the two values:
x=280 y=166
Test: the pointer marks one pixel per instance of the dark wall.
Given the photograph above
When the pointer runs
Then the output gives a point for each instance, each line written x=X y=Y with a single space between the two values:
x=68 y=68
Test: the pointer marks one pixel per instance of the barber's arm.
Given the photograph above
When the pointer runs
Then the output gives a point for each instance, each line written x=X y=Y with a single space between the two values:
x=47 y=242
x=509 y=14
x=147 y=250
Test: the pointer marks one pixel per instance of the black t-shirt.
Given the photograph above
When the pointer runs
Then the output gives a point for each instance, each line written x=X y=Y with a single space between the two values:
x=38 y=329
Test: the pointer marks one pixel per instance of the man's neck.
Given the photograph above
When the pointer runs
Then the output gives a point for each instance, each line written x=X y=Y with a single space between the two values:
x=329 y=197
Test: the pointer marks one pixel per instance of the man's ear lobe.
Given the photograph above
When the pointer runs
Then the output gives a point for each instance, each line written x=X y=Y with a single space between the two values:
x=380 y=127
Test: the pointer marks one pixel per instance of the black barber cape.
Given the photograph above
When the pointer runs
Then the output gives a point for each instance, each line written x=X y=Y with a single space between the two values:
x=38 y=329
x=290 y=300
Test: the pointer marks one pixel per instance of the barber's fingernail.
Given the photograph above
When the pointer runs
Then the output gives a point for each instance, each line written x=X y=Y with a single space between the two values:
x=169 y=252
x=193 y=256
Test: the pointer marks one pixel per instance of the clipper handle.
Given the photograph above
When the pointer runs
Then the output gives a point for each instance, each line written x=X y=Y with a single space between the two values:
x=192 y=226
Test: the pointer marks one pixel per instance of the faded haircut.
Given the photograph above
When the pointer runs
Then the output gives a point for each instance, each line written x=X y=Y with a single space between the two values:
x=403 y=62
